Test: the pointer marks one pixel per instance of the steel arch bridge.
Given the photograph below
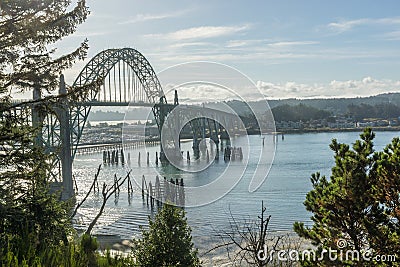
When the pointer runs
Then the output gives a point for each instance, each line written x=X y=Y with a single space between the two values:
x=132 y=79
x=127 y=78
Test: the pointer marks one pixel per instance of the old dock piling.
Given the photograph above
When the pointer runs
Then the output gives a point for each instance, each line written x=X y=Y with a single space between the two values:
x=156 y=158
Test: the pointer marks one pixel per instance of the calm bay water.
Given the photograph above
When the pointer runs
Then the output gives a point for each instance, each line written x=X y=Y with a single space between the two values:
x=283 y=192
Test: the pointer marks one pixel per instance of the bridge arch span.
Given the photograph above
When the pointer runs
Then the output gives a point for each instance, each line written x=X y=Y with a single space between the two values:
x=98 y=68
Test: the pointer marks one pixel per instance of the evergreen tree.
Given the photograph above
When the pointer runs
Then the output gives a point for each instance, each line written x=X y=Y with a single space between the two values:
x=355 y=205
x=168 y=241
x=387 y=193
x=32 y=220
x=26 y=30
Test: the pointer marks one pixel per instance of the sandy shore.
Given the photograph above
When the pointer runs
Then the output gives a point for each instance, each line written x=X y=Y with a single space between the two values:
x=210 y=257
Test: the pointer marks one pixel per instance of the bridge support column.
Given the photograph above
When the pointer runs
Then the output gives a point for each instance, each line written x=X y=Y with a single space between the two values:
x=37 y=116
x=196 y=148
x=65 y=136
x=214 y=136
x=161 y=111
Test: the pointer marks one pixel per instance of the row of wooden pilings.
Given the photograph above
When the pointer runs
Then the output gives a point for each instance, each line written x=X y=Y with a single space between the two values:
x=233 y=153
x=172 y=191
x=114 y=157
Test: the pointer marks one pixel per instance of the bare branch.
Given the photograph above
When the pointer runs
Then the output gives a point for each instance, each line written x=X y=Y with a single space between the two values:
x=88 y=193
x=106 y=193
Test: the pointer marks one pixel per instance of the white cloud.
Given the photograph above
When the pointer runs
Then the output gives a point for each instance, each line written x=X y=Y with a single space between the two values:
x=262 y=43
x=236 y=43
x=346 y=25
x=191 y=44
x=244 y=42
x=292 y=43
x=147 y=17
x=350 y=88
x=264 y=54
x=394 y=35
x=202 y=32
x=199 y=93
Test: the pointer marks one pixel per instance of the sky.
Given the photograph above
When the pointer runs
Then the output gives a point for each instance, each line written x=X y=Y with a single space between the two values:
x=302 y=49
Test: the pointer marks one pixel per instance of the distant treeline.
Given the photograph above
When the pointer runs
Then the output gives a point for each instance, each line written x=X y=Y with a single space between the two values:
x=140 y=113
x=379 y=111
x=299 y=112
x=106 y=116
x=339 y=105
x=384 y=106
x=355 y=112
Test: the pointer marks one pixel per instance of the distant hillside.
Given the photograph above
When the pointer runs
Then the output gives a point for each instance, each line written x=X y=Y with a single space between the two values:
x=338 y=105
x=332 y=105
x=133 y=114
x=106 y=116
x=299 y=112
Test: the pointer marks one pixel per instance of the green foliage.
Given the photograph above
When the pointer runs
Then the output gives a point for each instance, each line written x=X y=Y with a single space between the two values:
x=359 y=203
x=89 y=246
x=382 y=111
x=68 y=255
x=31 y=218
x=26 y=28
x=168 y=241
x=298 y=112
x=34 y=224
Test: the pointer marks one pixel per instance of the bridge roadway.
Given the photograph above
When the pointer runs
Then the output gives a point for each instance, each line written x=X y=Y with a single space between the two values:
x=188 y=108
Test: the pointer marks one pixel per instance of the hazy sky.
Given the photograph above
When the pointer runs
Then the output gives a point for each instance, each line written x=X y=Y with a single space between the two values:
x=289 y=48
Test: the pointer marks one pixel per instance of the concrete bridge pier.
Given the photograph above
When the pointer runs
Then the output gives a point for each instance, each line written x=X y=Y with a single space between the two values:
x=196 y=148
x=65 y=136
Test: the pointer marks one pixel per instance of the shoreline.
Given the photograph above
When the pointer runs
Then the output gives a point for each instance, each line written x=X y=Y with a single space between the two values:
x=218 y=257
x=330 y=130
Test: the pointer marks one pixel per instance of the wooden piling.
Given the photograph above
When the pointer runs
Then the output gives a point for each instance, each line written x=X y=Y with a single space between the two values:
x=166 y=190
x=172 y=190
x=143 y=182
x=157 y=189
x=151 y=195
x=181 y=194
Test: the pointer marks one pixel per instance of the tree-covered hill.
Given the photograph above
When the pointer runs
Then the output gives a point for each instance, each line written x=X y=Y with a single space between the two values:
x=298 y=112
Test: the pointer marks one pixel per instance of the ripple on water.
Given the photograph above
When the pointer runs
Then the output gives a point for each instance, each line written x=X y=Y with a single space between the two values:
x=283 y=193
